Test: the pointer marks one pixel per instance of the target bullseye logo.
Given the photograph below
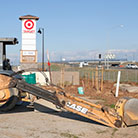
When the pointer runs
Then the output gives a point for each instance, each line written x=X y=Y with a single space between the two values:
x=29 y=24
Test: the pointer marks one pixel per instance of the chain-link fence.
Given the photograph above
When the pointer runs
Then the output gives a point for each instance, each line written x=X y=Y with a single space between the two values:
x=127 y=75
x=111 y=75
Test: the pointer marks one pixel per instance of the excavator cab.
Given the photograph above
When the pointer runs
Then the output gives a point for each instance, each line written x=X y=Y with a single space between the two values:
x=8 y=97
x=4 y=62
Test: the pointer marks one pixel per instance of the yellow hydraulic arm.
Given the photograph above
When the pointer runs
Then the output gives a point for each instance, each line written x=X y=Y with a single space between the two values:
x=89 y=110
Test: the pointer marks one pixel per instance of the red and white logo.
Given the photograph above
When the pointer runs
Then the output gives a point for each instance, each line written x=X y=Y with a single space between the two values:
x=29 y=24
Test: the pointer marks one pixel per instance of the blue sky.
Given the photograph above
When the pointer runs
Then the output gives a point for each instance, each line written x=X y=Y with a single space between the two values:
x=74 y=25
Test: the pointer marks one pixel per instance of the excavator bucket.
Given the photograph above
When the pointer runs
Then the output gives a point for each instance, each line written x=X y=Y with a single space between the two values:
x=130 y=116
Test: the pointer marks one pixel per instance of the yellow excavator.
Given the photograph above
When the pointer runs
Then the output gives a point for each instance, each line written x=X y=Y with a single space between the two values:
x=125 y=112
x=12 y=85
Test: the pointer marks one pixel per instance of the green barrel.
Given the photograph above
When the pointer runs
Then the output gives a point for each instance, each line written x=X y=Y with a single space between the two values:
x=32 y=78
x=80 y=90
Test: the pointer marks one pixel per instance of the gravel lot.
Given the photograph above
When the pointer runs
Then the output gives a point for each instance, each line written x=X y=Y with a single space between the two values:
x=23 y=122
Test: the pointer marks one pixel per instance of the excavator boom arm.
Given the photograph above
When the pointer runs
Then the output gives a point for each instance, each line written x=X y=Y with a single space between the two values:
x=72 y=104
x=37 y=91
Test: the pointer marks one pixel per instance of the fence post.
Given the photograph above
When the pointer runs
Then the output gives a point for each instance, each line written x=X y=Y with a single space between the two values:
x=72 y=80
x=137 y=76
x=62 y=77
x=92 y=79
x=102 y=80
x=96 y=79
x=118 y=81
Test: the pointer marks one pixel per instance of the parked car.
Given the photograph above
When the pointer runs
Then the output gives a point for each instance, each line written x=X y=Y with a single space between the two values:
x=83 y=64
x=131 y=66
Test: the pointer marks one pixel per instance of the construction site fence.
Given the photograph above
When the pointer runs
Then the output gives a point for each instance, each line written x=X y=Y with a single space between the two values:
x=111 y=75
x=127 y=75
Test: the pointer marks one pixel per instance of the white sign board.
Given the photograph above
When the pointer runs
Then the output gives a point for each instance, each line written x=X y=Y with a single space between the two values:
x=28 y=34
x=29 y=53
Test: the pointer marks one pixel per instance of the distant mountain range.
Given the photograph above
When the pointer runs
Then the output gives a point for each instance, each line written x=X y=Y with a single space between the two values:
x=130 y=55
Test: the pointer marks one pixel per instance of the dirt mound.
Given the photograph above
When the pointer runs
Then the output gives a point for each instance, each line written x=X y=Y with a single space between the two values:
x=107 y=95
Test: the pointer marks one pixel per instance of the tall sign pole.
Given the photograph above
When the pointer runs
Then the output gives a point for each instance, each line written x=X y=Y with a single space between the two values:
x=28 y=53
x=49 y=65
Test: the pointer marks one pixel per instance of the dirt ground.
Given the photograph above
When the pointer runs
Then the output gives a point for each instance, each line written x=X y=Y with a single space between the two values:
x=107 y=96
x=23 y=122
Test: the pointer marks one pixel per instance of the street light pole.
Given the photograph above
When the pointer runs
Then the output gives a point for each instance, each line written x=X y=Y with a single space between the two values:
x=42 y=49
x=41 y=31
